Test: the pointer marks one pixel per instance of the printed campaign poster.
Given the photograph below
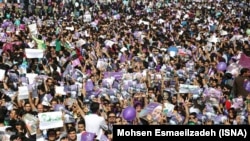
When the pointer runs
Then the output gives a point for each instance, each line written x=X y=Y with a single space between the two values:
x=154 y=109
x=184 y=88
x=31 y=123
x=168 y=108
x=50 y=120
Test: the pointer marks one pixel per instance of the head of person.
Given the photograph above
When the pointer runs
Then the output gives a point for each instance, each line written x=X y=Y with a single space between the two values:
x=39 y=37
x=111 y=117
x=64 y=139
x=193 y=120
x=40 y=108
x=80 y=126
x=72 y=134
x=118 y=121
x=14 y=114
x=156 y=114
x=94 y=107
x=245 y=72
x=27 y=107
x=51 y=135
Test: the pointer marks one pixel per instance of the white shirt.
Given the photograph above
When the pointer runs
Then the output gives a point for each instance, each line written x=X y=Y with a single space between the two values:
x=79 y=136
x=95 y=124
x=3 y=129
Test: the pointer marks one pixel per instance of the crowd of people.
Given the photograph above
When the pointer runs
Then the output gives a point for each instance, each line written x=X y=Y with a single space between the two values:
x=70 y=68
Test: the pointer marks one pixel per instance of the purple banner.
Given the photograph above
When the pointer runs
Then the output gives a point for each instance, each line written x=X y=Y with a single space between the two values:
x=244 y=61
x=116 y=75
x=87 y=136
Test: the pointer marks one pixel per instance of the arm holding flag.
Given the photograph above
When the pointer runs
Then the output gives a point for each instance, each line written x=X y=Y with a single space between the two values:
x=79 y=109
x=31 y=102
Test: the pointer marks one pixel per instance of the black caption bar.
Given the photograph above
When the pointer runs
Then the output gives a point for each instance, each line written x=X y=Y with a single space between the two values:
x=194 y=132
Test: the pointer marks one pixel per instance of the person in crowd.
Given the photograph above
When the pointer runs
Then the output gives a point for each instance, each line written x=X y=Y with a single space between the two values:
x=238 y=86
x=95 y=123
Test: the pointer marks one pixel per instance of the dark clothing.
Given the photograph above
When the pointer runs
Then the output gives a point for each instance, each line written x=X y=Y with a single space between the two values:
x=12 y=123
x=4 y=67
x=238 y=86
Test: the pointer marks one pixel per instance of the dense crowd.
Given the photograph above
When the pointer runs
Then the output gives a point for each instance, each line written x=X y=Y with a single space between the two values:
x=71 y=69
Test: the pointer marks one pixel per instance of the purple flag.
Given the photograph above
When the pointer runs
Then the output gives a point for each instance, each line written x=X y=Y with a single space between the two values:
x=105 y=83
x=73 y=87
x=212 y=92
x=76 y=62
x=89 y=85
x=87 y=136
x=67 y=70
x=59 y=107
x=48 y=97
x=24 y=80
x=117 y=16
x=104 y=138
x=97 y=92
x=111 y=92
x=237 y=103
x=125 y=95
x=244 y=61
x=76 y=74
x=123 y=59
x=116 y=85
x=125 y=87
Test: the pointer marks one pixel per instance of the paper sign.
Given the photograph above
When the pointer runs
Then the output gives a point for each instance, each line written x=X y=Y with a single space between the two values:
x=189 y=89
x=117 y=16
x=109 y=43
x=31 y=77
x=33 y=29
x=60 y=90
x=2 y=74
x=80 y=42
x=101 y=64
x=70 y=28
x=40 y=139
x=143 y=22
x=34 y=53
x=23 y=92
x=87 y=17
x=50 y=120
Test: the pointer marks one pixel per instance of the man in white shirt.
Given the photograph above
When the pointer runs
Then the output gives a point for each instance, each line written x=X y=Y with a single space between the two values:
x=95 y=123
